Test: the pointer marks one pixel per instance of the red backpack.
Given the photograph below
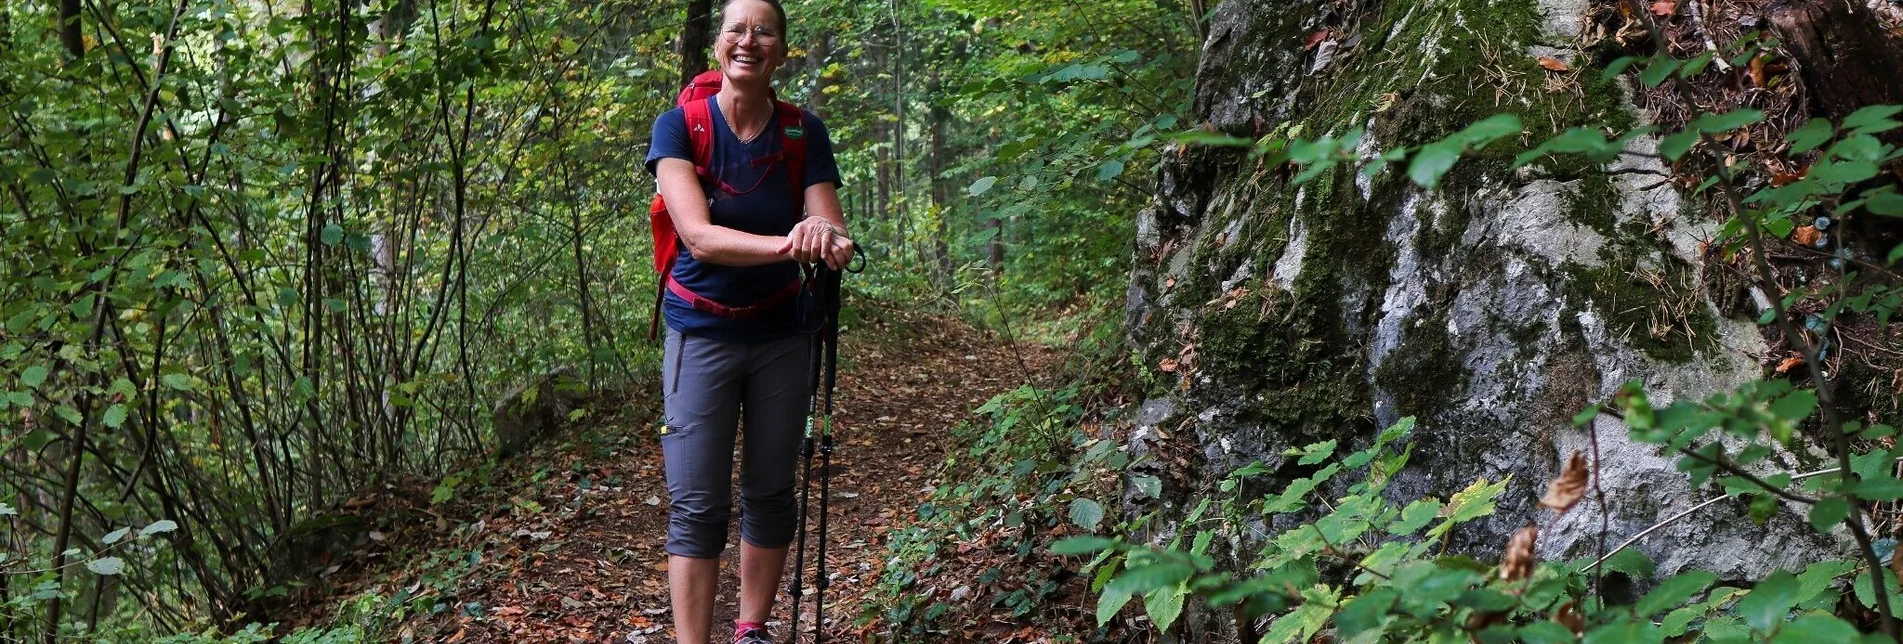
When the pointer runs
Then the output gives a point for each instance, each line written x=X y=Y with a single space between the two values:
x=700 y=132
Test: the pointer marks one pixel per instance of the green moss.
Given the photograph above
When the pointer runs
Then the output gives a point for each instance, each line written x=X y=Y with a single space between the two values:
x=1594 y=202
x=1425 y=372
x=1292 y=360
x=1347 y=244
x=1289 y=352
x=1479 y=66
x=1648 y=299
x=1421 y=71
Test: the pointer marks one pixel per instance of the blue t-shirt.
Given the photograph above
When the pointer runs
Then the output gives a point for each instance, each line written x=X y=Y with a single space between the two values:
x=762 y=202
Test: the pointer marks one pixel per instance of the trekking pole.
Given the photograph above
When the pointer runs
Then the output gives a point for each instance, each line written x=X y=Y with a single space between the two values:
x=829 y=334
x=824 y=354
x=815 y=279
x=805 y=479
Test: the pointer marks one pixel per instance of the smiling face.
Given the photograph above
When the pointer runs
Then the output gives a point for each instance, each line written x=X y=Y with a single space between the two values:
x=751 y=43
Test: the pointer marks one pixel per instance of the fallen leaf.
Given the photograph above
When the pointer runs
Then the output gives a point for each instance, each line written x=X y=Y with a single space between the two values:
x=1553 y=64
x=1315 y=39
x=1568 y=616
x=1781 y=179
x=1564 y=492
x=1786 y=364
x=1664 y=8
x=1519 y=560
x=1805 y=235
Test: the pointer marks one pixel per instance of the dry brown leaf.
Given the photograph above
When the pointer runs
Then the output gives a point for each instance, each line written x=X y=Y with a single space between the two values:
x=1553 y=64
x=1786 y=364
x=1520 y=560
x=1805 y=235
x=1781 y=179
x=1566 y=491
x=1568 y=616
x=1664 y=8
x=1315 y=39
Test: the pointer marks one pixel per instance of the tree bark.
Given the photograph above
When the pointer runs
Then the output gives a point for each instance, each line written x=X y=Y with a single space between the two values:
x=697 y=35
x=898 y=130
x=941 y=192
x=816 y=60
x=994 y=257
x=1848 y=59
x=1198 y=9
x=69 y=30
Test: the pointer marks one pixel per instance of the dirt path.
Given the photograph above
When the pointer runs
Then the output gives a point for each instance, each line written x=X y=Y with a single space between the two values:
x=580 y=559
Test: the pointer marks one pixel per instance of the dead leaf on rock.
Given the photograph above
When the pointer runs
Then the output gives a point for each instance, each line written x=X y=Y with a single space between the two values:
x=1520 y=560
x=1564 y=492
x=1791 y=361
x=1315 y=39
x=1553 y=64
x=1805 y=235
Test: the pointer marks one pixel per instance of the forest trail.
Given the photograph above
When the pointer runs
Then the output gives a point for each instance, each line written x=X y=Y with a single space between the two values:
x=579 y=557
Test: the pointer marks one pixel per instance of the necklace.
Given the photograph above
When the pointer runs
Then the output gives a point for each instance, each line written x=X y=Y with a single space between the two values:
x=734 y=126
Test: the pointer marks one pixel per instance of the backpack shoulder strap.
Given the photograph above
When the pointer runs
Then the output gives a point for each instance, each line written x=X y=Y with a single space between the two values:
x=792 y=121
x=700 y=132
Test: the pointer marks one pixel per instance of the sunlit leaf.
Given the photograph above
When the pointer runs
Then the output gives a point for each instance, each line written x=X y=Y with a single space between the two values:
x=158 y=527
x=106 y=566
x=33 y=376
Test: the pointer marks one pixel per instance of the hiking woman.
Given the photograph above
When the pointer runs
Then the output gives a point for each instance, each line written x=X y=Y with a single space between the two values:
x=735 y=345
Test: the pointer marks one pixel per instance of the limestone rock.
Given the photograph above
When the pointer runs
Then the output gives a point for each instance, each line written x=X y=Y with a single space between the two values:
x=1492 y=309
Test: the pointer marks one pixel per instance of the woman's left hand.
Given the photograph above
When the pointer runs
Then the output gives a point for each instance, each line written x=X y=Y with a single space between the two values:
x=815 y=239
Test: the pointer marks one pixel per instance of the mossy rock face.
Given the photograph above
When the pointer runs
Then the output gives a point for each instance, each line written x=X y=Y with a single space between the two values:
x=1492 y=308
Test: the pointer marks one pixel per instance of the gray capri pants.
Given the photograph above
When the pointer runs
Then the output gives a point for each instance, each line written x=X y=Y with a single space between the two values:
x=707 y=386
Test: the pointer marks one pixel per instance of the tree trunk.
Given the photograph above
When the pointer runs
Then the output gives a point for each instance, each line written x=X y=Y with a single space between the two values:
x=69 y=30
x=941 y=192
x=898 y=131
x=1848 y=59
x=994 y=255
x=1198 y=9
x=697 y=35
x=816 y=61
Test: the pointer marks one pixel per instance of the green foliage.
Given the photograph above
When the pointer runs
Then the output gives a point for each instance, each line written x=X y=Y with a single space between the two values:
x=1347 y=563
x=259 y=262
x=1030 y=473
x=1396 y=588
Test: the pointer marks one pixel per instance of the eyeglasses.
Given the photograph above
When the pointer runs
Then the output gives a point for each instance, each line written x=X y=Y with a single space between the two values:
x=737 y=32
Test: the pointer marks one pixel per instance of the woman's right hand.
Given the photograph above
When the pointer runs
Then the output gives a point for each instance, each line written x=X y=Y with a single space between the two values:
x=815 y=239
